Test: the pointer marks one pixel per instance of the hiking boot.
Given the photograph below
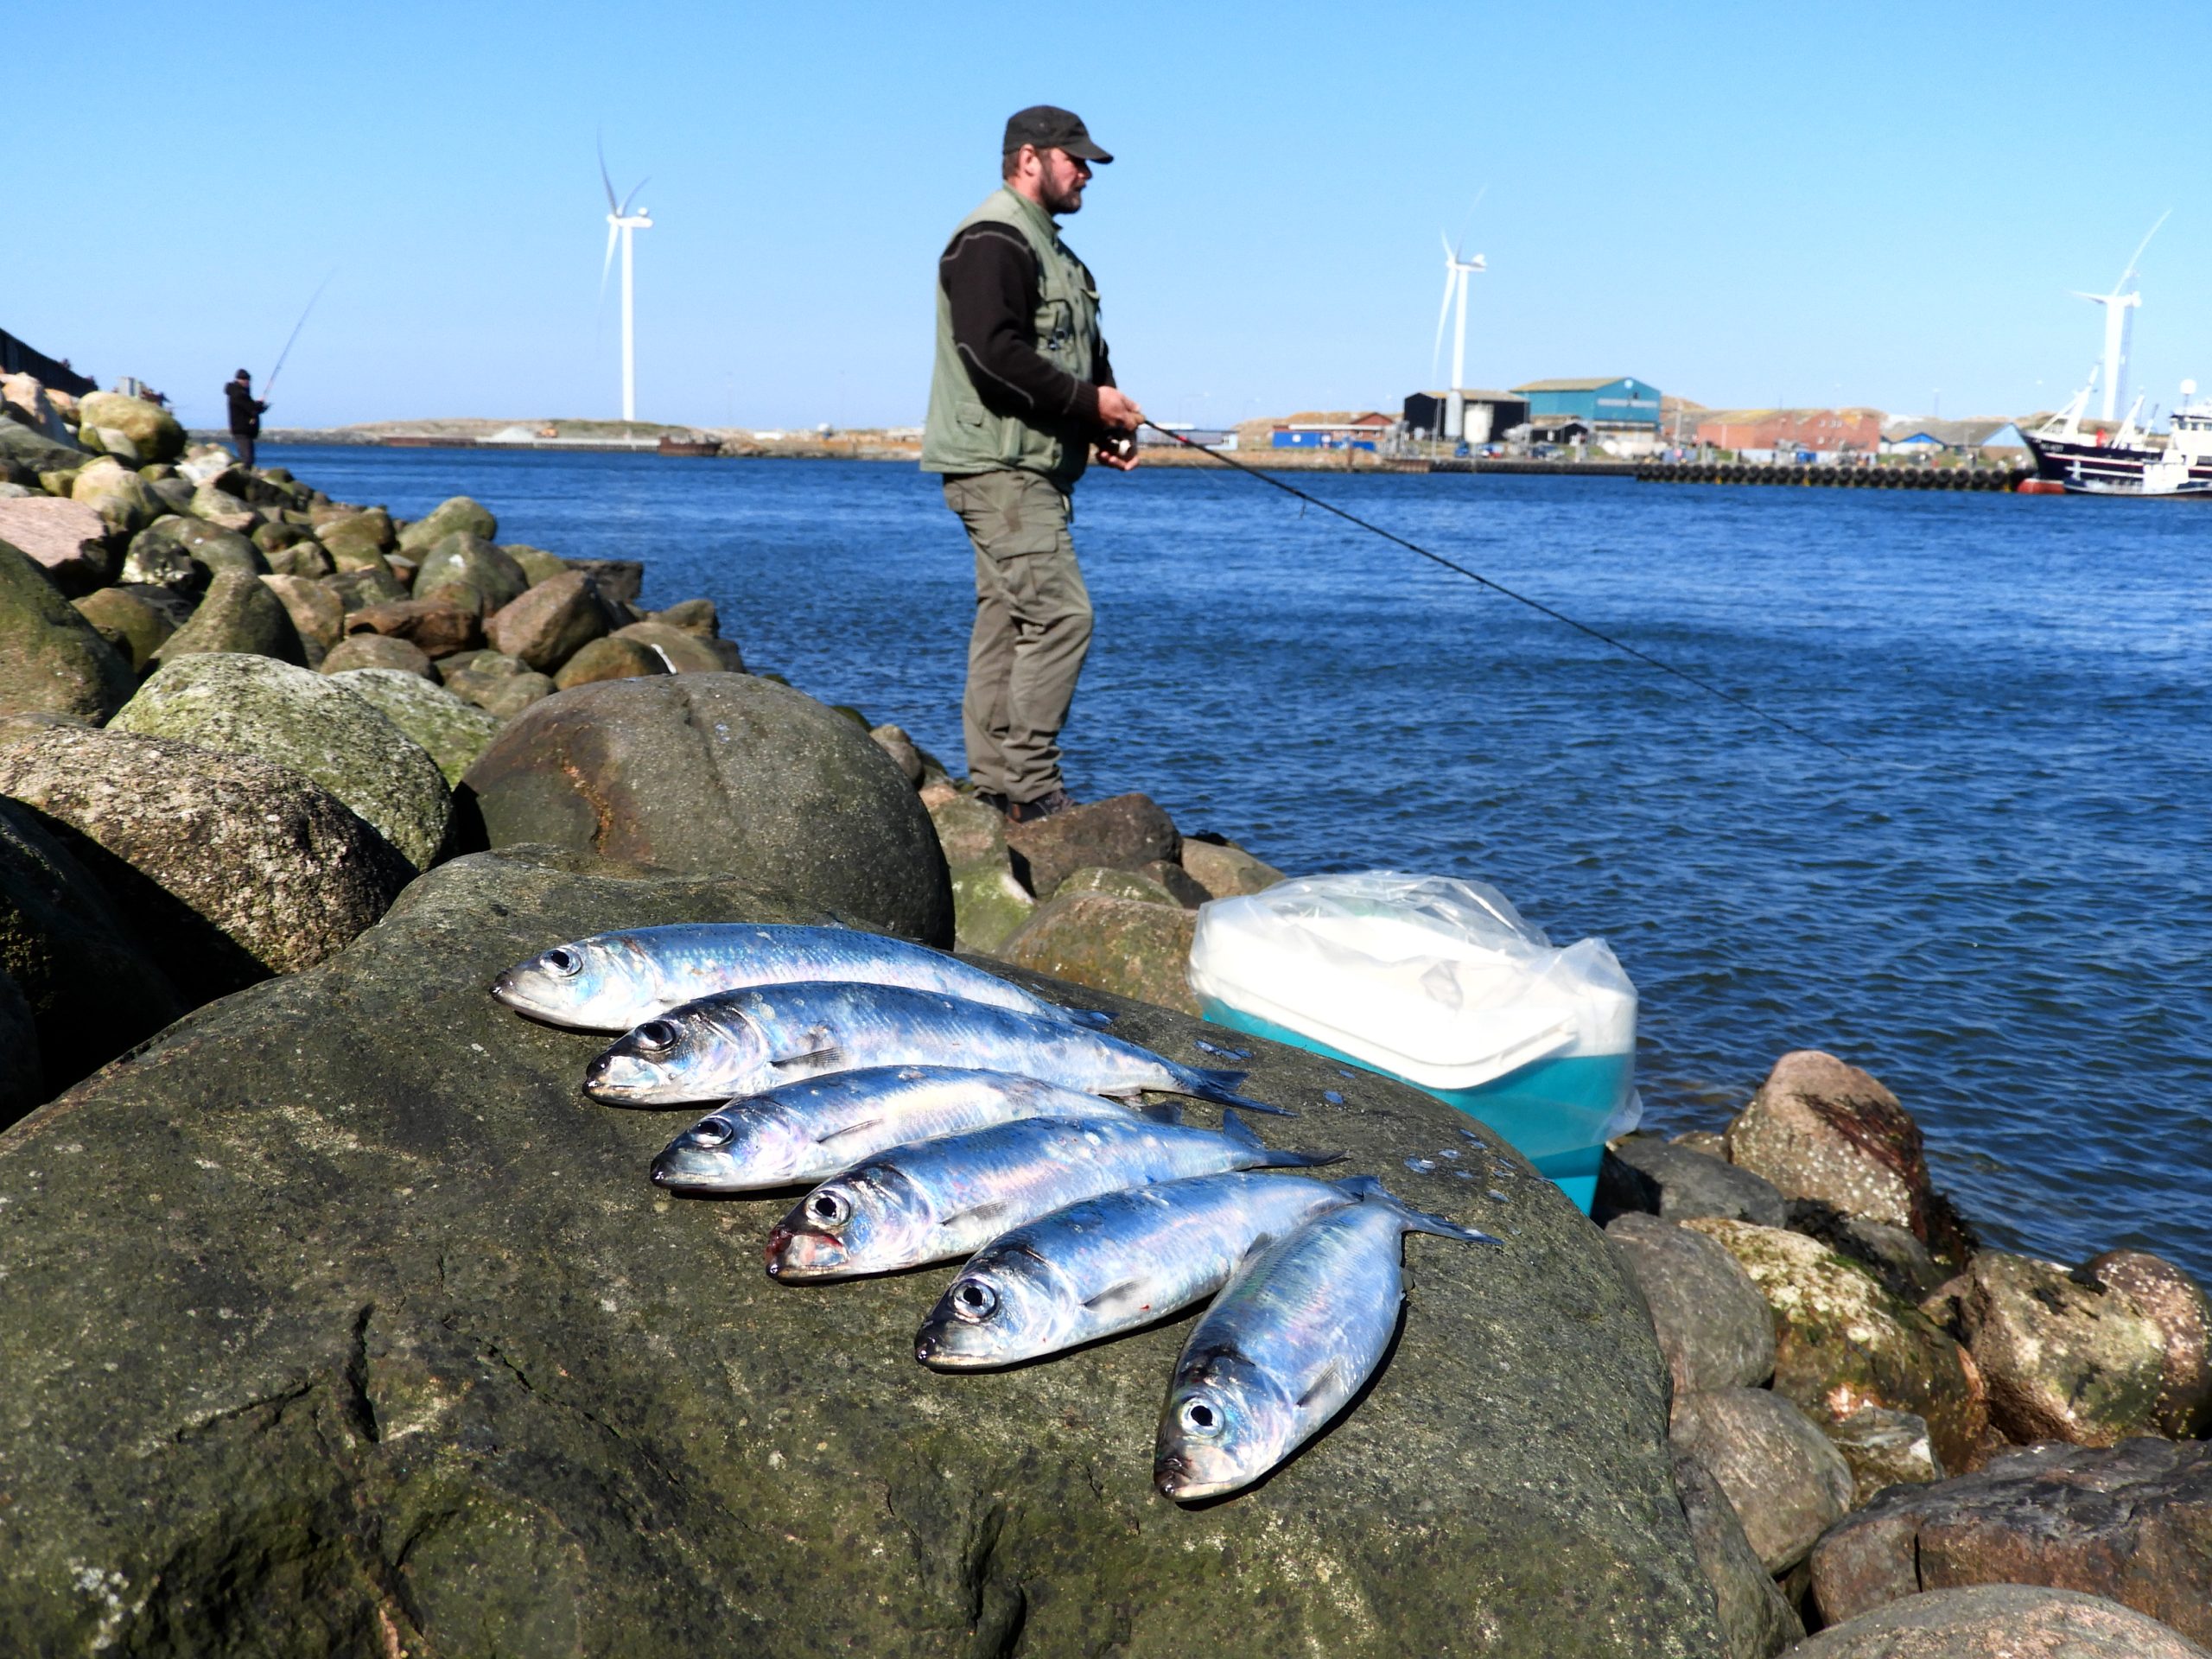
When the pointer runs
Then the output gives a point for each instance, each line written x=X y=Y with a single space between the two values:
x=1043 y=807
x=997 y=803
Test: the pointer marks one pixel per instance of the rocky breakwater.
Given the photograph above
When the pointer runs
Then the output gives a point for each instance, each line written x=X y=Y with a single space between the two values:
x=346 y=1325
x=1894 y=1420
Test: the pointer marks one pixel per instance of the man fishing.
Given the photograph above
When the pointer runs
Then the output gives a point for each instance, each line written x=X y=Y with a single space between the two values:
x=1020 y=395
x=246 y=411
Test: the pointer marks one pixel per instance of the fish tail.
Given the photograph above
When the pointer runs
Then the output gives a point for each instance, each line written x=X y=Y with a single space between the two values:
x=1242 y=1133
x=1368 y=1190
x=1096 y=1019
x=1301 y=1160
x=1221 y=1088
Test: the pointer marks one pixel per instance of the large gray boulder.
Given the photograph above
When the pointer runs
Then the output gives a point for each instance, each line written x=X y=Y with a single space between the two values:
x=1712 y=1323
x=2175 y=1304
x=722 y=774
x=313 y=723
x=549 y=623
x=408 y=1356
x=1644 y=1174
x=2133 y=1523
x=89 y=991
x=1757 y=1621
x=152 y=431
x=239 y=613
x=124 y=617
x=454 y=732
x=1787 y=1484
x=461 y=563
x=2001 y=1621
x=1124 y=833
x=55 y=663
x=454 y=515
x=228 y=868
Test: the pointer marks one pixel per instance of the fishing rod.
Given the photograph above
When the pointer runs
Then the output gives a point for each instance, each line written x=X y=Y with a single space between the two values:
x=1500 y=588
x=270 y=384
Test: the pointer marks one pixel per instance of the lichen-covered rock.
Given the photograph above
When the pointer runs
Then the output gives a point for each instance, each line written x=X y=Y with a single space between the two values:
x=454 y=732
x=1177 y=880
x=692 y=615
x=608 y=658
x=124 y=501
x=1787 y=1484
x=456 y=515
x=154 y=433
x=2000 y=1621
x=123 y=618
x=1129 y=946
x=968 y=831
x=239 y=615
x=67 y=539
x=2132 y=1522
x=301 y=559
x=1901 y=1262
x=2174 y=1302
x=1843 y=1342
x=1713 y=1323
x=684 y=651
x=355 y=539
x=1119 y=884
x=358 y=651
x=1818 y=1128
x=721 y=774
x=1224 y=869
x=54 y=663
x=317 y=612
x=1885 y=1449
x=988 y=906
x=1127 y=832
x=535 y=562
x=226 y=867
x=210 y=546
x=2065 y=1356
x=368 y=584
x=219 y=506
x=466 y=561
x=89 y=991
x=484 y=1390
x=313 y=723
x=496 y=682
x=1643 y=1173
x=1757 y=1621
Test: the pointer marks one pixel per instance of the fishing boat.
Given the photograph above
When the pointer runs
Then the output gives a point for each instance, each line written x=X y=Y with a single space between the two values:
x=2096 y=461
x=690 y=444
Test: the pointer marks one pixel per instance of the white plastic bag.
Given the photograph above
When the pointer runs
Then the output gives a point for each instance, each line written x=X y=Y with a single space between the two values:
x=1437 y=980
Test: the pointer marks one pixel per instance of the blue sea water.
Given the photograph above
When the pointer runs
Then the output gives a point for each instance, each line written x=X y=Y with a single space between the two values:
x=1998 y=902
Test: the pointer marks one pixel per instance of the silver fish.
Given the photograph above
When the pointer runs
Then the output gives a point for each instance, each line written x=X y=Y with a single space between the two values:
x=615 y=982
x=1110 y=1263
x=748 y=1042
x=1291 y=1338
x=809 y=1131
x=945 y=1197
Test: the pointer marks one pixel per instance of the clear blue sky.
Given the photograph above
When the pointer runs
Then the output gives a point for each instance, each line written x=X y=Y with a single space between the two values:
x=1744 y=204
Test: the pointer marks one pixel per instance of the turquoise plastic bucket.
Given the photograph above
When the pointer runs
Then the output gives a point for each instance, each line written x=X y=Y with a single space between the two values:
x=1554 y=1113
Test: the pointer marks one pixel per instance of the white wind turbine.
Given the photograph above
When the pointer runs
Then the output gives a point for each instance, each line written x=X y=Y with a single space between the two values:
x=2119 y=320
x=621 y=221
x=1455 y=272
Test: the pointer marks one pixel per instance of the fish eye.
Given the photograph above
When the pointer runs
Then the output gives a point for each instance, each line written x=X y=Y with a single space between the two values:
x=1202 y=1417
x=562 y=961
x=712 y=1132
x=974 y=1300
x=828 y=1207
x=655 y=1036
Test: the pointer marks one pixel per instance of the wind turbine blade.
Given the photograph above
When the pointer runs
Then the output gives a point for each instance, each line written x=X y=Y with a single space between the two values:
x=607 y=264
x=604 y=179
x=1436 y=355
x=632 y=196
x=1466 y=224
x=2145 y=243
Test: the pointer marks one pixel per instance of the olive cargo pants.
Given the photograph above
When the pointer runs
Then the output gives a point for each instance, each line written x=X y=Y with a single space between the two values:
x=1032 y=629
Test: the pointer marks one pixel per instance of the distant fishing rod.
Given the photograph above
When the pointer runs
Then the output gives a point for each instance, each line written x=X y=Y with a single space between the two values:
x=1498 y=587
x=270 y=384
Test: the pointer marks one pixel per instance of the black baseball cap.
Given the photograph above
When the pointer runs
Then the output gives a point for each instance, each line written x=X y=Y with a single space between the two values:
x=1049 y=128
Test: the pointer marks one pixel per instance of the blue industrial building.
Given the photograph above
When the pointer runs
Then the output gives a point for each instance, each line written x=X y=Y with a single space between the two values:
x=1600 y=403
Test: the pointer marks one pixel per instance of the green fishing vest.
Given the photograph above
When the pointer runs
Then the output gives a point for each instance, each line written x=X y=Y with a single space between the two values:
x=962 y=434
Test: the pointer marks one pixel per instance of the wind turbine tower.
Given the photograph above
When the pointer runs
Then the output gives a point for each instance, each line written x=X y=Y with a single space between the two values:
x=1455 y=272
x=620 y=222
x=2119 y=325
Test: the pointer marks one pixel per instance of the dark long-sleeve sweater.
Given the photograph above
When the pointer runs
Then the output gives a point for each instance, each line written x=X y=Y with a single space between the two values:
x=989 y=277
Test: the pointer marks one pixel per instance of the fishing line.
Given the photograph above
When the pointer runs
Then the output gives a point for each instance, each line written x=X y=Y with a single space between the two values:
x=1500 y=588
x=270 y=384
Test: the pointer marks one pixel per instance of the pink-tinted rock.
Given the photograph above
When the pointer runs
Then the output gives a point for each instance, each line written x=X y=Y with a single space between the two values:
x=549 y=623
x=2176 y=1303
x=2000 y=1621
x=68 y=539
x=1788 y=1484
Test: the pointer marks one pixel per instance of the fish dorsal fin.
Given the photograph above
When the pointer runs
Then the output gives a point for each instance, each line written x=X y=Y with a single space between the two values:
x=1167 y=1112
x=1125 y=1297
x=1238 y=1129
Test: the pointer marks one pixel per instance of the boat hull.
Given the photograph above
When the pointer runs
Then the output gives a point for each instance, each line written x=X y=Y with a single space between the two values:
x=2084 y=467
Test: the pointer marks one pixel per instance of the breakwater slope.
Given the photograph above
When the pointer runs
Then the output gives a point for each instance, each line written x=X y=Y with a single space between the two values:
x=1996 y=904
